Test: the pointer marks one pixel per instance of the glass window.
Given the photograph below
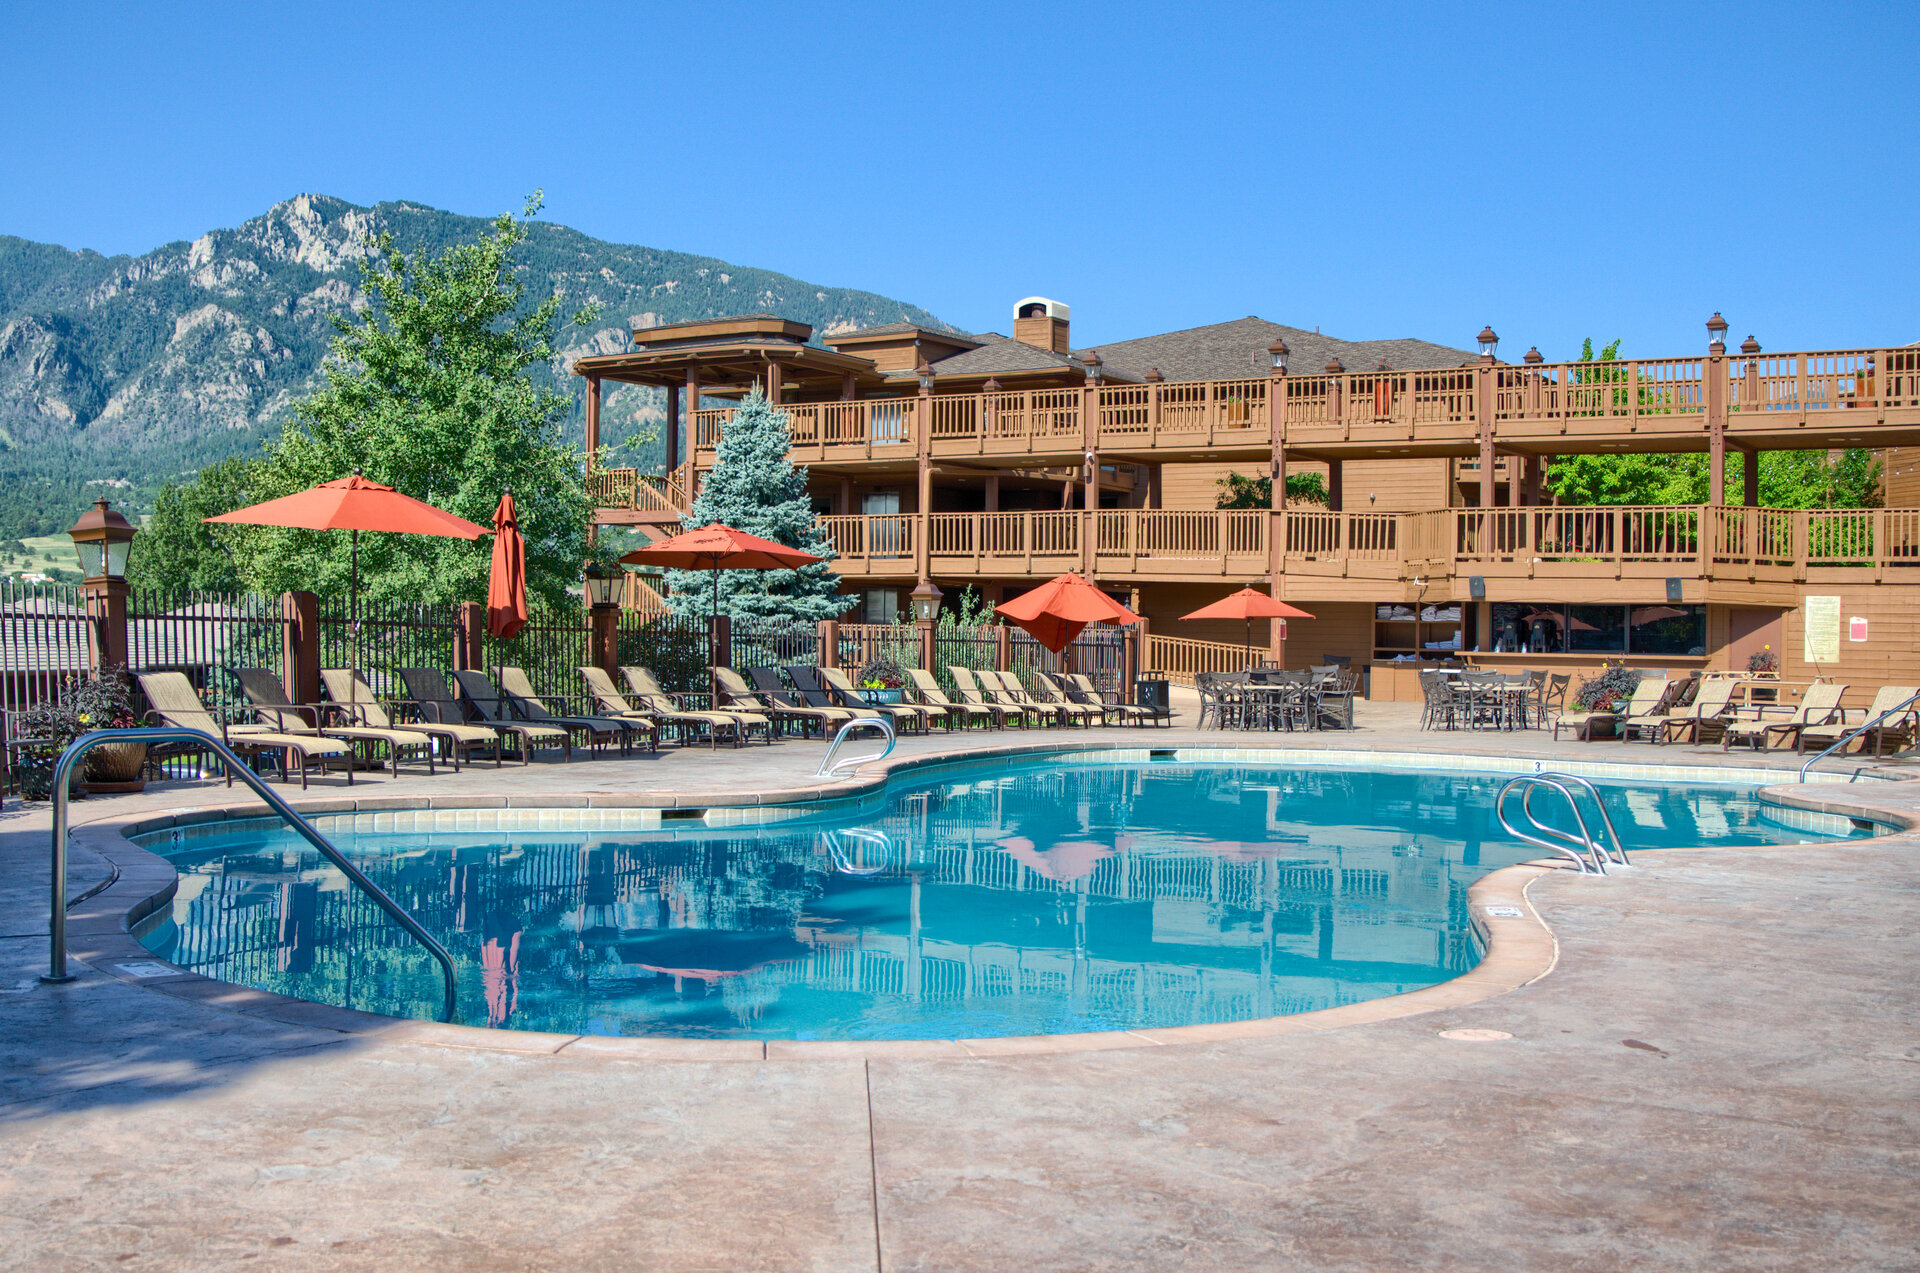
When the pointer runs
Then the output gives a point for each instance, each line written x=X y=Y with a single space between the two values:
x=1597 y=629
x=1665 y=629
x=880 y=605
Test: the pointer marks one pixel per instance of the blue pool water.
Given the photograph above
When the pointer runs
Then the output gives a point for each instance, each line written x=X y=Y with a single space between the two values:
x=979 y=900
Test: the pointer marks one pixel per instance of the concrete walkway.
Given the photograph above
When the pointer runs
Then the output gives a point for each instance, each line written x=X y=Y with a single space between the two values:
x=1721 y=1072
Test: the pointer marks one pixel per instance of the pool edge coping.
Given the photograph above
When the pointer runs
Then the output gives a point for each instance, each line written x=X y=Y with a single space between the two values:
x=1519 y=949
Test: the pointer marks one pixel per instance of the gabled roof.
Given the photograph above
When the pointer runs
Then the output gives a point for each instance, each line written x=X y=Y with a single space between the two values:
x=1238 y=349
x=999 y=356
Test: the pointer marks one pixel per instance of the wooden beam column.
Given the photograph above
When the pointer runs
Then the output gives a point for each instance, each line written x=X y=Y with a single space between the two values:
x=1715 y=373
x=1276 y=469
x=773 y=382
x=1336 y=485
x=670 y=431
x=593 y=421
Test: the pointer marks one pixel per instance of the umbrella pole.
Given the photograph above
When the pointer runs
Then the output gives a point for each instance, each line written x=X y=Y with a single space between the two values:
x=353 y=604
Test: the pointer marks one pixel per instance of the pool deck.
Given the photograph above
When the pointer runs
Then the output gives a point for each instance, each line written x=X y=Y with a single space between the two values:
x=1720 y=1071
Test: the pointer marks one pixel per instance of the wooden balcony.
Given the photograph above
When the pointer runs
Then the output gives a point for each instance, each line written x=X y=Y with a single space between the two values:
x=627 y=497
x=1601 y=553
x=1772 y=401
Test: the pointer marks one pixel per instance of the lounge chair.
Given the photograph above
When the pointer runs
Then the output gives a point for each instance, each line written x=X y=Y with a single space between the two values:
x=1646 y=695
x=518 y=690
x=1687 y=724
x=766 y=683
x=736 y=693
x=1890 y=736
x=481 y=704
x=929 y=691
x=173 y=702
x=264 y=690
x=1086 y=691
x=1052 y=693
x=1649 y=723
x=609 y=701
x=848 y=695
x=1014 y=692
x=986 y=695
x=739 y=725
x=351 y=693
x=1820 y=705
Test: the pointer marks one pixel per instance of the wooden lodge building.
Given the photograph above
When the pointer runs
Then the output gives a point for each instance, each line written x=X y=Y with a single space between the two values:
x=999 y=462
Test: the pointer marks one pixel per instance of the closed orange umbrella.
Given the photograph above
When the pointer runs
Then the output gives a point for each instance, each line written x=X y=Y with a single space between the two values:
x=507 y=579
x=1248 y=605
x=1056 y=611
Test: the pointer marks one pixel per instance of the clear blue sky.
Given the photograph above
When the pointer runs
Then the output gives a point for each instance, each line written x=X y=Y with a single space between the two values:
x=1560 y=171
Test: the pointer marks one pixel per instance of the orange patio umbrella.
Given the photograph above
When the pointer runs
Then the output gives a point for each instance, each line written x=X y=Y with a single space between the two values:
x=507 y=578
x=1056 y=611
x=718 y=547
x=1248 y=605
x=354 y=504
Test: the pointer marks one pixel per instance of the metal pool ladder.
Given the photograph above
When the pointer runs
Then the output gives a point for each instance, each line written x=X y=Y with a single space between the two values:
x=1586 y=851
x=829 y=769
x=57 y=919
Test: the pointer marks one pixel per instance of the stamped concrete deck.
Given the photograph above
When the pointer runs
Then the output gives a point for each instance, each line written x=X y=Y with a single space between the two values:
x=1721 y=1071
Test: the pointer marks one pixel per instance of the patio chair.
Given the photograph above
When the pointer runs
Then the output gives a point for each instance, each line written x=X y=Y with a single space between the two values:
x=264 y=690
x=1083 y=689
x=350 y=693
x=736 y=693
x=483 y=705
x=1819 y=706
x=518 y=690
x=609 y=701
x=841 y=687
x=767 y=684
x=1054 y=691
x=739 y=725
x=1649 y=724
x=1710 y=703
x=171 y=697
x=1334 y=702
x=1013 y=691
x=1896 y=730
x=1646 y=695
x=930 y=693
x=1551 y=697
x=972 y=695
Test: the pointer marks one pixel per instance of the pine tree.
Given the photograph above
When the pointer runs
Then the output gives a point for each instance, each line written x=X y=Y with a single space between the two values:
x=754 y=487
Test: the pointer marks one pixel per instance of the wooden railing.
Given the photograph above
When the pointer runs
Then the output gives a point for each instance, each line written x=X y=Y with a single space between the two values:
x=1561 y=542
x=629 y=488
x=1762 y=392
x=1180 y=660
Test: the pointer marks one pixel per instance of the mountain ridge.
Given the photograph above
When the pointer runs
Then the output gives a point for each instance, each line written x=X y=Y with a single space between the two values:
x=141 y=368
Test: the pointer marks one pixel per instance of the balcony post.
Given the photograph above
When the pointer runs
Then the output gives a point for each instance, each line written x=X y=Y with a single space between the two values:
x=773 y=382
x=692 y=408
x=1277 y=466
x=1483 y=411
x=1336 y=486
x=1716 y=410
x=670 y=432
x=923 y=450
x=593 y=421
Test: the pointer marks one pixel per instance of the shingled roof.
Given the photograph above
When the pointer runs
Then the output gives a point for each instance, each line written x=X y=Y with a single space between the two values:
x=1228 y=351
x=998 y=356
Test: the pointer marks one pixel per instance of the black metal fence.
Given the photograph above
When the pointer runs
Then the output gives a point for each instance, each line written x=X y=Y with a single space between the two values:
x=205 y=635
x=773 y=642
x=43 y=641
x=673 y=646
x=391 y=635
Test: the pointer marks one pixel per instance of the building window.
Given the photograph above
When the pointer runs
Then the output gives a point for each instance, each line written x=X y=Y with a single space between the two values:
x=880 y=605
x=1524 y=628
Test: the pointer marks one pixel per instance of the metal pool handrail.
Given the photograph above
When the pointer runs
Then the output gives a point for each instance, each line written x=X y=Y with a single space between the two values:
x=1855 y=732
x=1587 y=851
x=828 y=769
x=57 y=920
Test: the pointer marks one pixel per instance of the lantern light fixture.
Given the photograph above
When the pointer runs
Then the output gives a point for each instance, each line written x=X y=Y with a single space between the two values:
x=101 y=539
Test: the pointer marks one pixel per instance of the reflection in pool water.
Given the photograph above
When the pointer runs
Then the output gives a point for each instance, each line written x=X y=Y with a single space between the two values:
x=981 y=900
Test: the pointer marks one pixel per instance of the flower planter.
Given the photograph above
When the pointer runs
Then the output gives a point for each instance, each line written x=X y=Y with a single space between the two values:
x=115 y=768
x=881 y=696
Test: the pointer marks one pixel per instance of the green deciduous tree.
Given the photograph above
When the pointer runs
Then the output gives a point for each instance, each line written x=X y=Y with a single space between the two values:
x=176 y=549
x=754 y=487
x=1237 y=490
x=427 y=390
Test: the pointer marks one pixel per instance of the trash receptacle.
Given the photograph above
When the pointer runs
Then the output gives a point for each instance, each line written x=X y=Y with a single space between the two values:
x=1150 y=691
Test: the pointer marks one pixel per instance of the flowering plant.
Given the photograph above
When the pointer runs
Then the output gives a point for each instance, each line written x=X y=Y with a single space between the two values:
x=1763 y=660
x=98 y=700
x=881 y=673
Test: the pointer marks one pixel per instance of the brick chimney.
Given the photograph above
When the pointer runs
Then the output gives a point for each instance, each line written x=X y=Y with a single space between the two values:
x=1041 y=323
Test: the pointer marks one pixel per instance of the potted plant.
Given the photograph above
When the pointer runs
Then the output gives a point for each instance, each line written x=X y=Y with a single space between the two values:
x=98 y=700
x=881 y=679
x=1763 y=662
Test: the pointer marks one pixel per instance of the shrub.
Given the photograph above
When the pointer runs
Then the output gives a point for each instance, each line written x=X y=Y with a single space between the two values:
x=1614 y=685
x=882 y=673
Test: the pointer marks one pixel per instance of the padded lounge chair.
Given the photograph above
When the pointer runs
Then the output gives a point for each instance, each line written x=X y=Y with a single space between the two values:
x=481 y=704
x=847 y=694
x=1014 y=692
x=609 y=701
x=736 y=693
x=1085 y=691
x=351 y=694
x=171 y=696
x=987 y=694
x=929 y=691
x=1649 y=723
x=766 y=683
x=813 y=694
x=1710 y=703
x=1646 y=695
x=531 y=706
x=1890 y=736
x=269 y=699
x=1052 y=693
x=1820 y=705
x=739 y=725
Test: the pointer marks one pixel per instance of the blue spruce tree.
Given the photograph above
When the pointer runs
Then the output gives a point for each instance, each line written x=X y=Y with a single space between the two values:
x=754 y=487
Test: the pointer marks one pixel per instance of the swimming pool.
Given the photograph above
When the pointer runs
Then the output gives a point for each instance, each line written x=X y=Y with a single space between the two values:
x=968 y=900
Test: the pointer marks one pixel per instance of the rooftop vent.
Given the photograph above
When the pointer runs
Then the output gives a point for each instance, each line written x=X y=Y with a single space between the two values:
x=1041 y=323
